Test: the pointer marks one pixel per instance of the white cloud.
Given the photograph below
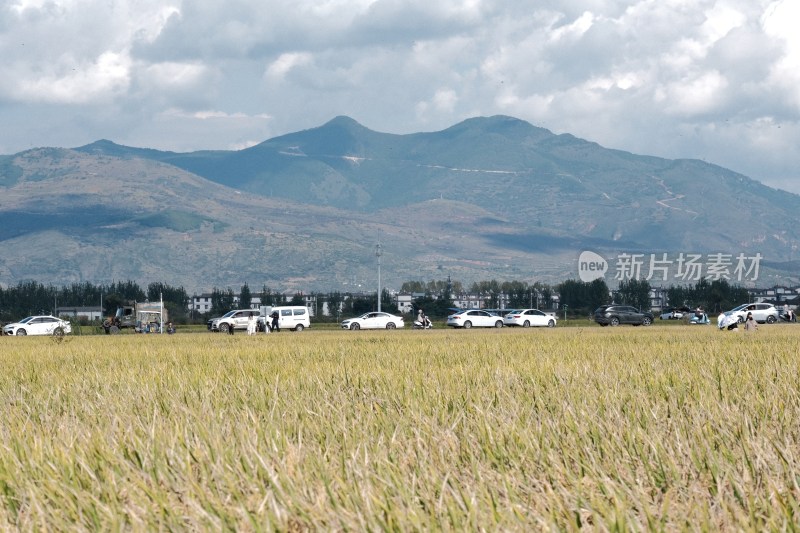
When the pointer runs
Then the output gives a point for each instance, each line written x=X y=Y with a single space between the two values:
x=716 y=79
x=172 y=74
x=780 y=22
x=278 y=69
x=575 y=29
x=693 y=95
x=445 y=100
x=107 y=77
x=721 y=20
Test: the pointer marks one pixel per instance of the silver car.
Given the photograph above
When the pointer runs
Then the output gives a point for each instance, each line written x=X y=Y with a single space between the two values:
x=762 y=312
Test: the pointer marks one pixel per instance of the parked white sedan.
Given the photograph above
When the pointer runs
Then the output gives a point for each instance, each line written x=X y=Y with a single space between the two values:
x=38 y=325
x=474 y=318
x=374 y=320
x=762 y=312
x=529 y=317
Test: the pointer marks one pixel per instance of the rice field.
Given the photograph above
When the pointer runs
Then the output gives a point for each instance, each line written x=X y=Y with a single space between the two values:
x=659 y=428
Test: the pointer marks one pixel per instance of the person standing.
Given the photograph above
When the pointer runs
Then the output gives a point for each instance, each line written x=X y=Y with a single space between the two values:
x=750 y=323
x=251 y=324
x=275 y=326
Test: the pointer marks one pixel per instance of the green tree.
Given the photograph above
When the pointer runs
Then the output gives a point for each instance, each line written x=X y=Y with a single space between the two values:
x=111 y=302
x=362 y=304
x=678 y=296
x=412 y=286
x=583 y=297
x=245 y=297
x=433 y=307
x=519 y=295
x=388 y=304
x=598 y=294
x=128 y=290
x=267 y=296
x=221 y=301
x=335 y=301
x=635 y=292
x=175 y=299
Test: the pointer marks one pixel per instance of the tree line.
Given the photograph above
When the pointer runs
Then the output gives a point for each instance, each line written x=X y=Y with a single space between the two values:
x=34 y=298
x=714 y=296
x=437 y=297
x=578 y=297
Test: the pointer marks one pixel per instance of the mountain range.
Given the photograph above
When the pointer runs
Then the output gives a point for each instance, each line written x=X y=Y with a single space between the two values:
x=488 y=198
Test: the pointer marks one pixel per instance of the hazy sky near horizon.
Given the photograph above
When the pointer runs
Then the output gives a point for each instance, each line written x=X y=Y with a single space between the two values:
x=717 y=80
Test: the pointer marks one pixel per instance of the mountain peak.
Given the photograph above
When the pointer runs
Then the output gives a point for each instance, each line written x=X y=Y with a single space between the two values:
x=344 y=123
x=500 y=125
x=342 y=120
x=101 y=145
x=110 y=148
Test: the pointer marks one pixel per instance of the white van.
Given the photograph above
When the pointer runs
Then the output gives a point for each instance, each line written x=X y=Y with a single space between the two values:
x=294 y=317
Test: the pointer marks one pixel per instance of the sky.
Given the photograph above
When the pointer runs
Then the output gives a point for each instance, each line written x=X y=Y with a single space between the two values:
x=717 y=80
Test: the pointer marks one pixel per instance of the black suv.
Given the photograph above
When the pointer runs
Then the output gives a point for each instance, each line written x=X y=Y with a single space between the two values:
x=614 y=315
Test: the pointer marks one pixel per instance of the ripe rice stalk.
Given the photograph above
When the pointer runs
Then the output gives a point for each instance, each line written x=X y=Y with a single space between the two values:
x=635 y=428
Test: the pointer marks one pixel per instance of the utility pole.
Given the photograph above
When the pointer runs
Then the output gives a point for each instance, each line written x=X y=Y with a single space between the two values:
x=378 y=253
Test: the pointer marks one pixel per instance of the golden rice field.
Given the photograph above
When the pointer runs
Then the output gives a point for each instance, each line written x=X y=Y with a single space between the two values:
x=659 y=428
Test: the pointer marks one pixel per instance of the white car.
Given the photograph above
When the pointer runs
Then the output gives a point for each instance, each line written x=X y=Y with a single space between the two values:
x=761 y=312
x=38 y=325
x=374 y=320
x=474 y=318
x=529 y=317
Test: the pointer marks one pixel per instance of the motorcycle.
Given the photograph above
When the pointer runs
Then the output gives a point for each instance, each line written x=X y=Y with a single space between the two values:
x=699 y=319
x=425 y=323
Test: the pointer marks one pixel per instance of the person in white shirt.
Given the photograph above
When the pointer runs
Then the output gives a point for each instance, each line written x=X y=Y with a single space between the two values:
x=729 y=322
x=251 y=324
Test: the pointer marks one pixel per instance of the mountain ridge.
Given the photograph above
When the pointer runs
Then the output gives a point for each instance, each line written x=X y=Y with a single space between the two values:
x=515 y=196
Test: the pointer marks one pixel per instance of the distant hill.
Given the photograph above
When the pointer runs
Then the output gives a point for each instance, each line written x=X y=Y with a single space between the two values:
x=487 y=198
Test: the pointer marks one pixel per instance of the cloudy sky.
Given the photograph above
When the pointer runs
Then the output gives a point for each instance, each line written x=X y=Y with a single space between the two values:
x=717 y=80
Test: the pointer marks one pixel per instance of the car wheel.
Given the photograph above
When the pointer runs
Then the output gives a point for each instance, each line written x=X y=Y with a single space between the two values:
x=21 y=332
x=741 y=319
x=467 y=324
x=223 y=328
x=113 y=330
x=58 y=332
x=526 y=324
x=646 y=321
x=390 y=325
x=299 y=327
x=770 y=319
x=551 y=323
x=498 y=324
x=614 y=321
x=355 y=326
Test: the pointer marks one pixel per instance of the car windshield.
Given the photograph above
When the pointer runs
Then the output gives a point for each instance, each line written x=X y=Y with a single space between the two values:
x=229 y=313
x=740 y=307
x=25 y=320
